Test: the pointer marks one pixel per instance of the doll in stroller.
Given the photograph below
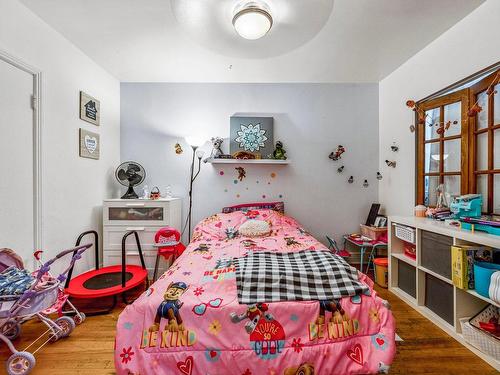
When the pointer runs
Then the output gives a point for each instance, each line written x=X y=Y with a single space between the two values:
x=25 y=296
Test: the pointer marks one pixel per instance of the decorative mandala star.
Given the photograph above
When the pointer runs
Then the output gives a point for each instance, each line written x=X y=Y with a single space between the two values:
x=251 y=138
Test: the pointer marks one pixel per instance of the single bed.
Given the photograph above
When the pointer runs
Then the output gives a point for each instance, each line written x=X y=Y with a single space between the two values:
x=211 y=333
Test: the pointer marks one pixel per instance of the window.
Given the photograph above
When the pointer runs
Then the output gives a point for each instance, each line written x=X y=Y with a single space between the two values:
x=458 y=143
x=486 y=143
x=441 y=157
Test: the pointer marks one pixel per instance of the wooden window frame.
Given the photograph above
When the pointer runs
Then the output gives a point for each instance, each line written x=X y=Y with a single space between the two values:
x=475 y=90
x=457 y=96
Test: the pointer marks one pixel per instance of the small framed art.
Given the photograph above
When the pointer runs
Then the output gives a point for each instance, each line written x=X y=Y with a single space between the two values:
x=90 y=109
x=89 y=144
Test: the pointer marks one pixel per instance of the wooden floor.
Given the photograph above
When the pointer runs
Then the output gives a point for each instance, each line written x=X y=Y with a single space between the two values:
x=426 y=349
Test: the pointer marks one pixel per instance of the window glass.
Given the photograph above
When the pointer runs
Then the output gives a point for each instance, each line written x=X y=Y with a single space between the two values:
x=453 y=113
x=451 y=155
x=482 y=188
x=482 y=117
x=496 y=106
x=482 y=152
x=496 y=149
x=452 y=185
x=432 y=157
x=432 y=123
x=431 y=183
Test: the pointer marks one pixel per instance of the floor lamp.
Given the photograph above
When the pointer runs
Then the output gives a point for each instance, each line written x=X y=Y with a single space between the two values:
x=194 y=143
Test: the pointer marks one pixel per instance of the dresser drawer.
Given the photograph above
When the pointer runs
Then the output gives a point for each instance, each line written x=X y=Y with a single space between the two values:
x=137 y=213
x=112 y=237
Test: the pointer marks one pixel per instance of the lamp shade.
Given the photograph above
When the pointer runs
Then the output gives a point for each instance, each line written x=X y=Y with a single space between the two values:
x=195 y=140
x=252 y=21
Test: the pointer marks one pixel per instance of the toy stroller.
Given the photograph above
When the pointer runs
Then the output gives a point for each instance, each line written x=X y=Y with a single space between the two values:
x=20 y=307
x=63 y=305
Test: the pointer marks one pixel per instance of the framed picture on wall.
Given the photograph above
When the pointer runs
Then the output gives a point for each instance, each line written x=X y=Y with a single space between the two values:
x=252 y=135
x=90 y=109
x=89 y=144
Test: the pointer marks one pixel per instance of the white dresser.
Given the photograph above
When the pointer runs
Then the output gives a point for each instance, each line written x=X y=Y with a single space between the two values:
x=142 y=215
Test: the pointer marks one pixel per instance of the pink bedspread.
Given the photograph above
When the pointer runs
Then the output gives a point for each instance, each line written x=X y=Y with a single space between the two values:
x=206 y=331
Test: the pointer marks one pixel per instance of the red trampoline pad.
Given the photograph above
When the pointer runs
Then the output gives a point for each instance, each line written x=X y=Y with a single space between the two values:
x=106 y=281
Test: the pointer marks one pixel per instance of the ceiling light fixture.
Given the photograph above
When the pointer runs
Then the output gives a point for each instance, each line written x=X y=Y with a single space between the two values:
x=252 y=20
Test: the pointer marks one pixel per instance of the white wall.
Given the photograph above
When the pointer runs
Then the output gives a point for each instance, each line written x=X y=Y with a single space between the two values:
x=469 y=46
x=73 y=187
x=311 y=120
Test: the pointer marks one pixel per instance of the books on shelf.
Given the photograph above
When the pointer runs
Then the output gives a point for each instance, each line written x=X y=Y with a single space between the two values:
x=462 y=264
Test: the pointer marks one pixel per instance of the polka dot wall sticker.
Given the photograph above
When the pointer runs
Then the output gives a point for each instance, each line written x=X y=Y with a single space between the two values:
x=280 y=196
x=257 y=181
x=235 y=182
x=225 y=190
x=273 y=175
x=221 y=173
x=263 y=196
x=237 y=195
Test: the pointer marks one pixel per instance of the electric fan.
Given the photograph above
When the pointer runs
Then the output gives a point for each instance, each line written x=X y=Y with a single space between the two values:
x=130 y=174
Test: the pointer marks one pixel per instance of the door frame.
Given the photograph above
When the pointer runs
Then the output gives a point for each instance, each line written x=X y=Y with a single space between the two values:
x=37 y=142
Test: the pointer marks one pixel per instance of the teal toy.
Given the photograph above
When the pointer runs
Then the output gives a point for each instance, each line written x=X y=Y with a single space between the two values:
x=467 y=206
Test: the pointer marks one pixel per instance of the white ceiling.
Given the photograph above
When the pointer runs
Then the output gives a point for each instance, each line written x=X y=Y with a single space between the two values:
x=192 y=40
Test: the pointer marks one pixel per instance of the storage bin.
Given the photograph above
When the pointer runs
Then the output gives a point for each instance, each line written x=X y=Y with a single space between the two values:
x=407 y=278
x=374 y=233
x=482 y=276
x=484 y=342
x=435 y=253
x=439 y=297
x=404 y=233
x=381 y=271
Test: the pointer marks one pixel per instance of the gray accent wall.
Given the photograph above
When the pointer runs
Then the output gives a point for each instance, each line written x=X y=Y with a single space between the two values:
x=310 y=119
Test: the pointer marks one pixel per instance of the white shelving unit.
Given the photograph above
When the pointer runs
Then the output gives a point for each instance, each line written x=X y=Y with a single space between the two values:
x=408 y=277
x=248 y=161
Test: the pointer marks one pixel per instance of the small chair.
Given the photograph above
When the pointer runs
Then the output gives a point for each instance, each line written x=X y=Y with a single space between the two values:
x=332 y=245
x=167 y=240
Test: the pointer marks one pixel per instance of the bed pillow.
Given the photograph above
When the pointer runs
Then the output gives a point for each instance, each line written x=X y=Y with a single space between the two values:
x=255 y=228
x=276 y=206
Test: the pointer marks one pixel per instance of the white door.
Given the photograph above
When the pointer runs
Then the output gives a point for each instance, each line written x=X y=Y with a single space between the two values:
x=16 y=161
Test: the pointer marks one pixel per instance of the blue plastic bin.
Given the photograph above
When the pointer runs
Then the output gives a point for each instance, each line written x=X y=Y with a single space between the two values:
x=482 y=276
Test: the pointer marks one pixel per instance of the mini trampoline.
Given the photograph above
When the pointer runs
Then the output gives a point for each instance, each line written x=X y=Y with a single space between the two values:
x=109 y=281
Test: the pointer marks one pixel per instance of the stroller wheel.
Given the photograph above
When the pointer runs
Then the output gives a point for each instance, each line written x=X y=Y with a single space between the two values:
x=66 y=324
x=11 y=329
x=20 y=363
x=79 y=318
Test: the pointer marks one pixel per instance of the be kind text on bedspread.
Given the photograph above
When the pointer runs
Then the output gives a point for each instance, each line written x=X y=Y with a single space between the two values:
x=167 y=339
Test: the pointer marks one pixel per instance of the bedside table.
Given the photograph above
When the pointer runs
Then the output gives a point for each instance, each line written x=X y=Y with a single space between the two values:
x=142 y=215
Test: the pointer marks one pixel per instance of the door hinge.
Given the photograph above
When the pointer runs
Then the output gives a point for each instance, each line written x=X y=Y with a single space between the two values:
x=33 y=101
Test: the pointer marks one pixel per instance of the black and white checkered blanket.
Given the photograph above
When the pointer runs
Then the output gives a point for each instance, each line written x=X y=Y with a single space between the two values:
x=300 y=276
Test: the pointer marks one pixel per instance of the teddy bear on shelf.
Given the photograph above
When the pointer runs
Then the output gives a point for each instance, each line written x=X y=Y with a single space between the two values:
x=253 y=314
x=216 y=148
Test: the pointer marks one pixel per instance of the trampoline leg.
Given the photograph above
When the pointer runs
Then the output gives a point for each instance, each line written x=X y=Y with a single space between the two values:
x=103 y=312
x=156 y=267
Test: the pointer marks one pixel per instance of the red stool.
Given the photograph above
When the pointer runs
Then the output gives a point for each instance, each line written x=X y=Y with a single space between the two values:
x=167 y=240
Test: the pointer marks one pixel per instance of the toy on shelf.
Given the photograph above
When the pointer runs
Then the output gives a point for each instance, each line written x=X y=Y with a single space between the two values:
x=467 y=209
x=279 y=152
x=467 y=206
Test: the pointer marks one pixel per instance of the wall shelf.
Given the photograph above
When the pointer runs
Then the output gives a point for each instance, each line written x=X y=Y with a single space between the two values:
x=465 y=303
x=248 y=161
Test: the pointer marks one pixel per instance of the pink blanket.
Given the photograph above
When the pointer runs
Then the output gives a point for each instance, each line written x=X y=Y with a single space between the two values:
x=190 y=323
